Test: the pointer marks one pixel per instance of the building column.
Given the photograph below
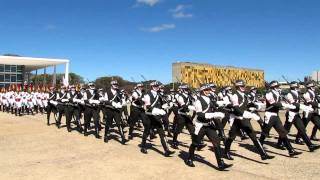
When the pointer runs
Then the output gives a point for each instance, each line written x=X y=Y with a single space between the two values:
x=54 y=78
x=66 y=75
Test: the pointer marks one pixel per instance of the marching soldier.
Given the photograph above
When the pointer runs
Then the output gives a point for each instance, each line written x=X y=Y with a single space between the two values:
x=62 y=107
x=154 y=112
x=137 y=111
x=183 y=117
x=91 y=100
x=73 y=108
x=51 y=103
x=272 y=119
x=204 y=125
x=242 y=121
x=293 y=116
x=112 y=107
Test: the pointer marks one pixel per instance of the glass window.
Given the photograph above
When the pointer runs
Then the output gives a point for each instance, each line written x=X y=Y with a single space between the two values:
x=19 y=77
x=7 y=68
x=1 y=85
x=7 y=78
x=13 y=78
x=19 y=68
x=1 y=77
x=1 y=68
x=14 y=68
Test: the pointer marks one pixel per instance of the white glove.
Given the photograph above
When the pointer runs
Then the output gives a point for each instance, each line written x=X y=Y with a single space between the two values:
x=157 y=112
x=306 y=108
x=192 y=108
x=76 y=100
x=165 y=106
x=91 y=101
x=116 y=105
x=288 y=106
x=250 y=115
x=252 y=109
x=216 y=115
x=101 y=99
x=65 y=100
x=221 y=103
x=259 y=105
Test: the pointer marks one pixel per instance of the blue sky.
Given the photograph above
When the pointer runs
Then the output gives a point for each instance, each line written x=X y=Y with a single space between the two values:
x=133 y=37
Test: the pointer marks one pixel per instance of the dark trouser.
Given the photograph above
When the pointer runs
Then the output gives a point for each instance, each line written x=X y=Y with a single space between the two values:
x=245 y=126
x=153 y=122
x=166 y=122
x=136 y=114
x=62 y=109
x=213 y=137
x=73 y=111
x=315 y=119
x=298 y=123
x=91 y=112
x=182 y=121
x=113 y=114
x=276 y=123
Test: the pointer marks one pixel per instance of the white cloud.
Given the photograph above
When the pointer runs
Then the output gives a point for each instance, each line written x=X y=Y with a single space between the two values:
x=148 y=2
x=180 y=11
x=159 y=28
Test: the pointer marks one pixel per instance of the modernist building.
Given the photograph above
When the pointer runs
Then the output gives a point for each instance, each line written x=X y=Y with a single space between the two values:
x=195 y=74
x=16 y=70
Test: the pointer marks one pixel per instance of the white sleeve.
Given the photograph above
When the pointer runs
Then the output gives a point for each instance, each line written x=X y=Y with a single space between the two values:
x=306 y=96
x=289 y=97
x=106 y=98
x=147 y=100
x=198 y=106
x=269 y=98
x=181 y=101
x=235 y=100
x=135 y=95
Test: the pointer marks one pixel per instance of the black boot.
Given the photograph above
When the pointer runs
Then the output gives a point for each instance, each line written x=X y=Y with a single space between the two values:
x=97 y=133
x=262 y=152
x=227 y=154
x=280 y=144
x=189 y=160
x=167 y=152
x=221 y=165
x=143 y=146
x=201 y=146
x=123 y=139
x=290 y=149
x=175 y=143
x=312 y=147
x=313 y=134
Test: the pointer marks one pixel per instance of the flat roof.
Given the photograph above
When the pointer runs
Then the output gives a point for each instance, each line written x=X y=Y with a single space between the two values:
x=217 y=66
x=31 y=63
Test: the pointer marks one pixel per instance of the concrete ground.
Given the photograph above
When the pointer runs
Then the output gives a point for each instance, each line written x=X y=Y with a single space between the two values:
x=29 y=149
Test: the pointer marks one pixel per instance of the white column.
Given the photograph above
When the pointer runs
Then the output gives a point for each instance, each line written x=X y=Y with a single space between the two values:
x=66 y=75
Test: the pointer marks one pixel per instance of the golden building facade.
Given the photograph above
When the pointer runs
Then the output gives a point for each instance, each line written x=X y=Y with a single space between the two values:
x=195 y=74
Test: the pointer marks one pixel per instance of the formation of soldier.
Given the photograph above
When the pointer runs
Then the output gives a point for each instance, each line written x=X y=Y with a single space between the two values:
x=204 y=112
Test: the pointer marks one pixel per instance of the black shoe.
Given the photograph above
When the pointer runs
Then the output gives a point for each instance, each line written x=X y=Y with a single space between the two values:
x=222 y=166
x=299 y=141
x=228 y=156
x=175 y=145
x=85 y=134
x=201 y=146
x=123 y=142
x=314 y=139
x=265 y=157
x=98 y=136
x=130 y=137
x=294 y=153
x=69 y=129
x=281 y=146
x=189 y=163
x=168 y=153
x=106 y=139
x=144 y=150
x=313 y=147
x=169 y=134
